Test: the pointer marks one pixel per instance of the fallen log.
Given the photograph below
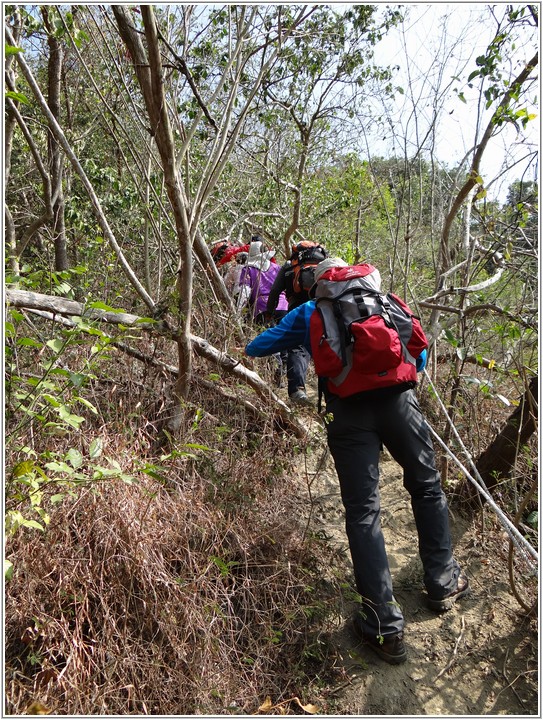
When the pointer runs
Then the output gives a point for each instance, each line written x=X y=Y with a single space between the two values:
x=62 y=307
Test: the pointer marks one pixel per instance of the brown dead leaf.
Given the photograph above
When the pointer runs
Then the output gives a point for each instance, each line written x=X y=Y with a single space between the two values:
x=45 y=676
x=266 y=705
x=309 y=708
x=281 y=709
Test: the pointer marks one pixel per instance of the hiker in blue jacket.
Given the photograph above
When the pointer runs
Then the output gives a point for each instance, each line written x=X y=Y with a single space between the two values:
x=358 y=426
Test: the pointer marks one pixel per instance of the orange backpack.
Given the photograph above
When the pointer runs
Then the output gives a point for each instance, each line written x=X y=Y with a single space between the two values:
x=305 y=257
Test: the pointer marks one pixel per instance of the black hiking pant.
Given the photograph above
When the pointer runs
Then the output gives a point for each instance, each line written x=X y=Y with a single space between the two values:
x=360 y=424
x=297 y=363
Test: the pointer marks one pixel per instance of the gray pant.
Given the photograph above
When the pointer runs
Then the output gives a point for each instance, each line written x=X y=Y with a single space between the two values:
x=359 y=426
x=297 y=363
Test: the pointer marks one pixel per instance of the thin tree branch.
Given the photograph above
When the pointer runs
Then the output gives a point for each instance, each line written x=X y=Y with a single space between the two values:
x=472 y=180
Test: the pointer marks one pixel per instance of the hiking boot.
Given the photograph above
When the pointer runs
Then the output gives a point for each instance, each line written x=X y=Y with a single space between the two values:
x=390 y=648
x=300 y=398
x=446 y=603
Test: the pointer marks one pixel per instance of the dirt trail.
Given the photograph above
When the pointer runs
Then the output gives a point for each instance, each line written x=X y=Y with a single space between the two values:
x=480 y=658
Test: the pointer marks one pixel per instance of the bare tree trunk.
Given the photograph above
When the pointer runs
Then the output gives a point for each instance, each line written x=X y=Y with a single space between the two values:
x=497 y=461
x=99 y=213
x=9 y=129
x=462 y=324
x=295 y=222
x=61 y=310
x=56 y=157
x=148 y=68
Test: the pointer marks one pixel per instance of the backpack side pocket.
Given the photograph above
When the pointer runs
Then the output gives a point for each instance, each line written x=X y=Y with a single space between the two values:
x=377 y=347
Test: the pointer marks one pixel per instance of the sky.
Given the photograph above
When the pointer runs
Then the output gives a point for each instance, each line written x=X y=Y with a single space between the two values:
x=439 y=50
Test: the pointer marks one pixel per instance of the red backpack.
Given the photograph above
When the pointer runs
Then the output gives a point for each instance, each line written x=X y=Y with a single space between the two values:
x=362 y=339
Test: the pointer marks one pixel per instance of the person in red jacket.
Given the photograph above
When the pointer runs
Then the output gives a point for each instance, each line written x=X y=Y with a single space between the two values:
x=223 y=252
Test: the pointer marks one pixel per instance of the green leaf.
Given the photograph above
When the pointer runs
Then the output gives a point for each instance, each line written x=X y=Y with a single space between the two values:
x=77 y=379
x=33 y=524
x=69 y=418
x=51 y=400
x=29 y=342
x=451 y=338
x=79 y=37
x=16 y=315
x=57 y=371
x=17 y=96
x=74 y=457
x=12 y=50
x=532 y=519
x=56 y=429
x=95 y=448
x=223 y=567
x=60 y=467
x=98 y=305
x=8 y=570
x=55 y=345
x=64 y=288
x=155 y=472
x=100 y=472
x=23 y=468
x=87 y=404
x=85 y=326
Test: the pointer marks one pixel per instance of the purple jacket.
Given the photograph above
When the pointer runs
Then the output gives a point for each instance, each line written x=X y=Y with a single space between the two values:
x=260 y=284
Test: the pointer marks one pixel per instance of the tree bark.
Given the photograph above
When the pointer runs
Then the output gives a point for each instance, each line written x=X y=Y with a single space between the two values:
x=9 y=129
x=99 y=213
x=148 y=68
x=473 y=179
x=497 y=461
x=287 y=422
x=56 y=158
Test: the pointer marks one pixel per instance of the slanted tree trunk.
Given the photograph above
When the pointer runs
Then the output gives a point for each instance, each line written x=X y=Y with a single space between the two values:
x=497 y=461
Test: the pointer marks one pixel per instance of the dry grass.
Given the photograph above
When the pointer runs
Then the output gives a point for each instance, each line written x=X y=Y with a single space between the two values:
x=144 y=600
x=191 y=590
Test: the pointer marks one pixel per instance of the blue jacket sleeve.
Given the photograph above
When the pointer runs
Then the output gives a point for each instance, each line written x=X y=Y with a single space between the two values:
x=292 y=331
x=421 y=361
